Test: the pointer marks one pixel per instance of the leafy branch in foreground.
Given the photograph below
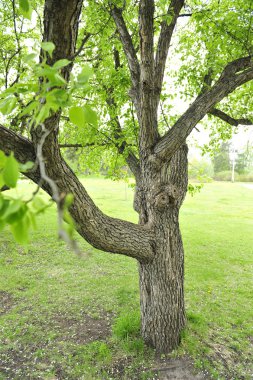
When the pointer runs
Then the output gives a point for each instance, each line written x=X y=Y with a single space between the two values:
x=49 y=95
x=16 y=212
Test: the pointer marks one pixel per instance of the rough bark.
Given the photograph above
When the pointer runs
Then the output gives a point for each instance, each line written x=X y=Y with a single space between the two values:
x=148 y=116
x=162 y=280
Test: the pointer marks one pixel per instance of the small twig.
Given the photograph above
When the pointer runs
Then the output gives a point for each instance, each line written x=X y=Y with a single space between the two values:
x=85 y=39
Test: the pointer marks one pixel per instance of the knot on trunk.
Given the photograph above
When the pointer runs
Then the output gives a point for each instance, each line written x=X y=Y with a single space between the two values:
x=167 y=196
x=162 y=201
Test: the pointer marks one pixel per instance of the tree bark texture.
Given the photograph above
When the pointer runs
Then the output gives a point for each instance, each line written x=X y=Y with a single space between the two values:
x=162 y=279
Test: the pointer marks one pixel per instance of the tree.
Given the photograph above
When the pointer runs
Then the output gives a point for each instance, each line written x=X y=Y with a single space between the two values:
x=129 y=44
x=221 y=161
x=244 y=160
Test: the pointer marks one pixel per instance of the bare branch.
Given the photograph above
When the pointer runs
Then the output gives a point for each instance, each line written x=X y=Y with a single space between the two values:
x=234 y=75
x=87 y=145
x=79 y=50
x=186 y=15
x=228 y=119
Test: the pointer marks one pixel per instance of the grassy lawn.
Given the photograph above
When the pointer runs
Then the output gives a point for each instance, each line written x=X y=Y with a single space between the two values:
x=62 y=317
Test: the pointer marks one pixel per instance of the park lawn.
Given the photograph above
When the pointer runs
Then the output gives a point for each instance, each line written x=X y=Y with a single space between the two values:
x=65 y=317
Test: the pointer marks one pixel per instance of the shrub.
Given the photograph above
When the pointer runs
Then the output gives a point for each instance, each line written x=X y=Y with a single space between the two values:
x=225 y=176
x=245 y=177
x=200 y=170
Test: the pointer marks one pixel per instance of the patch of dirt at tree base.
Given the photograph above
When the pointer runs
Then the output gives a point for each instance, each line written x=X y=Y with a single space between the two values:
x=83 y=331
x=21 y=361
x=167 y=369
x=178 y=369
x=6 y=302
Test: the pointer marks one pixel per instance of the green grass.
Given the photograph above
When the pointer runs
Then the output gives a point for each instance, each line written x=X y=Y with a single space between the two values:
x=57 y=309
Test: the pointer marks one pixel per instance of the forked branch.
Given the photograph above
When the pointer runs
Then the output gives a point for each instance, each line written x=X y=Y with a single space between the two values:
x=234 y=75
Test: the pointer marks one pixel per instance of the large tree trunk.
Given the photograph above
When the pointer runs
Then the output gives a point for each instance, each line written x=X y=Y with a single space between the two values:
x=162 y=290
x=162 y=279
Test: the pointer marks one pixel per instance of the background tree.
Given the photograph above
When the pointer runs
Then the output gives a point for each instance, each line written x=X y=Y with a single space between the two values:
x=244 y=160
x=221 y=160
x=127 y=43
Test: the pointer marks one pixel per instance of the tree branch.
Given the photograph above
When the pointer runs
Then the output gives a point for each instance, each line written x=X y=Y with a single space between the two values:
x=164 y=44
x=148 y=115
x=228 y=119
x=103 y=232
x=79 y=50
x=129 y=50
x=131 y=159
x=81 y=145
x=234 y=75
x=21 y=146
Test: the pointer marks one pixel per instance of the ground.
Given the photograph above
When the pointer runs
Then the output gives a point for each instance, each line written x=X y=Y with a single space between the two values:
x=62 y=317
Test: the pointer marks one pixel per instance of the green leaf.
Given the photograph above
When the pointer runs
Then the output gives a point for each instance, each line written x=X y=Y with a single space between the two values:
x=10 y=171
x=26 y=167
x=30 y=58
x=24 y=4
x=43 y=114
x=20 y=230
x=61 y=63
x=1 y=180
x=49 y=47
x=25 y=8
x=38 y=204
x=8 y=104
x=27 y=110
x=13 y=207
x=16 y=213
x=84 y=75
x=76 y=115
x=4 y=207
x=81 y=116
x=90 y=116
x=32 y=218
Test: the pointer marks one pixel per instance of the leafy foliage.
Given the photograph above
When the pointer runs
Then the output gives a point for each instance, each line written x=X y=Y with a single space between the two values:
x=19 y=214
